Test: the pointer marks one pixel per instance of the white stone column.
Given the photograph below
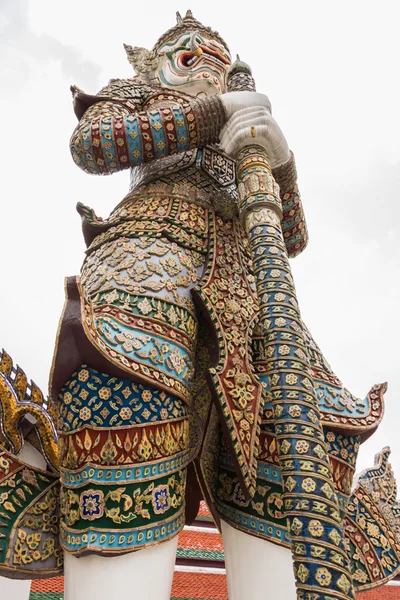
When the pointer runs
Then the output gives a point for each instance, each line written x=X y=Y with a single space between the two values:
x=256 y=569
x=11 y=589
x=143 y=575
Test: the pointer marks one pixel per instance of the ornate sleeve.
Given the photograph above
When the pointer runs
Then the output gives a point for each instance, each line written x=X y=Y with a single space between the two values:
x=294 y=225
x=120 y=132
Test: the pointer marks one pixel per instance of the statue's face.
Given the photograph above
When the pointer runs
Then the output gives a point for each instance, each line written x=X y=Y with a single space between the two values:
x=195 y=64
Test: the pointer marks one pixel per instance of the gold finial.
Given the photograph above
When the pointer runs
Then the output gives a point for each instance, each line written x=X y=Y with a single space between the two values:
x=178 y=18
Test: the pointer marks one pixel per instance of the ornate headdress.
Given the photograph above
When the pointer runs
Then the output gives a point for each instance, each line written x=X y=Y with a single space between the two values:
x=186 y=24
x=144 y=61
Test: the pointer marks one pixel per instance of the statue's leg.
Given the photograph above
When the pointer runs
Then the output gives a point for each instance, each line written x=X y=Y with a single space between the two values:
x=122 y=499
x=259 y=564
x=258 y=558
x=143 y=575
x=17 y=590
x=11 y=588
x=124 y=443
x=256 y=569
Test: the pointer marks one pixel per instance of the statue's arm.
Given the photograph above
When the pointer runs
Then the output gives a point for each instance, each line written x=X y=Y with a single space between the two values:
x=116 y=134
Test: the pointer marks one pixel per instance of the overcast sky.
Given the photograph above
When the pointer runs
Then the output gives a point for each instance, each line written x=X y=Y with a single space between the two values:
x=331 y=71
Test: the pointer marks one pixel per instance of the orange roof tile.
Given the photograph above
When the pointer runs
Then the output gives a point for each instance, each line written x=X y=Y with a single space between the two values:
x=385 y=592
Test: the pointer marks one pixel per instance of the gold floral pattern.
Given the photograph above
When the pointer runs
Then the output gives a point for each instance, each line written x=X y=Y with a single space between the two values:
x=323 y=577
x=139 y=266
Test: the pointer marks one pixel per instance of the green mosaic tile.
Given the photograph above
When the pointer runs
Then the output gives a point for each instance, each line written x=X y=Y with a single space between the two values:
x=46 y=596
x=200 y=554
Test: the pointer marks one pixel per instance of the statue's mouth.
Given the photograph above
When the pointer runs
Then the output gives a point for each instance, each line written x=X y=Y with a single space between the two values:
x=188 y=59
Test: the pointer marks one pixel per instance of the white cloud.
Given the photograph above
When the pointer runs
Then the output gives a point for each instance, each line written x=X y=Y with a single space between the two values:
x=25 y=51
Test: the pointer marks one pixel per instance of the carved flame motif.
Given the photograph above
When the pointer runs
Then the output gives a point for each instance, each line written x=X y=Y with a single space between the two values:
x=19 y=398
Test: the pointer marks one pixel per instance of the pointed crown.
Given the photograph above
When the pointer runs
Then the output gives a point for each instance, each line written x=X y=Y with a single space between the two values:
x=187 y=24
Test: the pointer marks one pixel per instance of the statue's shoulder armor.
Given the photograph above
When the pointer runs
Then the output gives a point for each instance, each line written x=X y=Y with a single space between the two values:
x=126 y=89
x=130 y=92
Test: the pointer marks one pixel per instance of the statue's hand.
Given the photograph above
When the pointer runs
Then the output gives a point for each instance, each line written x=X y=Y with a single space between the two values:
x=236 y=101
x=250 y=122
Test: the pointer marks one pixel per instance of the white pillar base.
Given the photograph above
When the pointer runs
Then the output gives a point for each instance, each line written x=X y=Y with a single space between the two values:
x=143 y=575
x=14 y=590
x=256 y=569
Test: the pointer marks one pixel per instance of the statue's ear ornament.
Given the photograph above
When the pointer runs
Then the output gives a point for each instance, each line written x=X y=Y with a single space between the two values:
x=143 y=61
